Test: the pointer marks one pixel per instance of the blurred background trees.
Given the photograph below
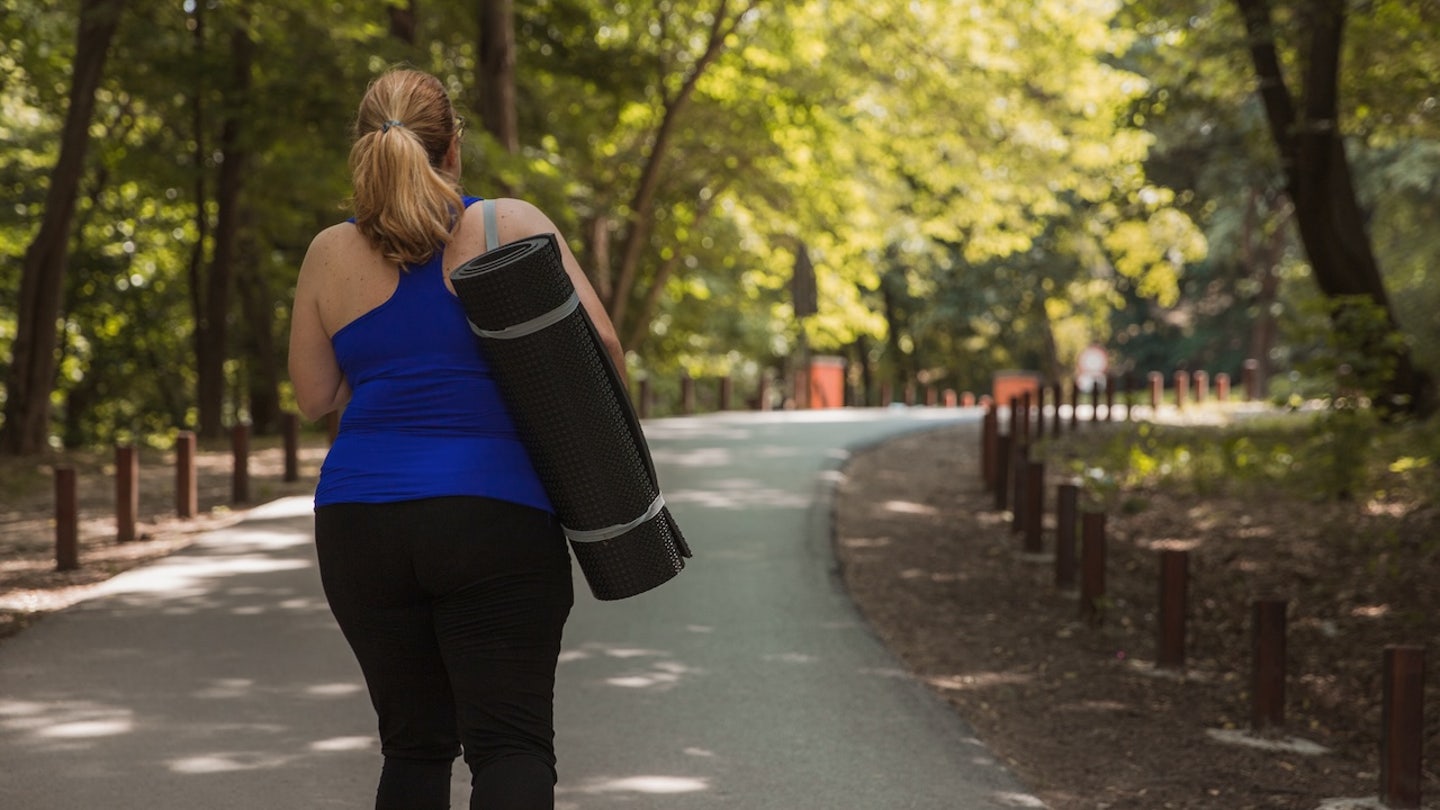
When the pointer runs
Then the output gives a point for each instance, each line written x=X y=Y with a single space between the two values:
x=977 y=185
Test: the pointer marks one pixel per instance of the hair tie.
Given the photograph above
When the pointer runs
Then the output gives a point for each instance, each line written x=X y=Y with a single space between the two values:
x=385 y=127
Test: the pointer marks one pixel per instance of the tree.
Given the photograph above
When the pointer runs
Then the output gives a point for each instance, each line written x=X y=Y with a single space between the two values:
x=495 y=73
x=32 y=363
x=1316 y=169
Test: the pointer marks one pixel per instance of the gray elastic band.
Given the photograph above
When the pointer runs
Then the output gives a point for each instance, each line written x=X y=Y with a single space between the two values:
x=596 y=535
x=533 y=325
x=492 y=231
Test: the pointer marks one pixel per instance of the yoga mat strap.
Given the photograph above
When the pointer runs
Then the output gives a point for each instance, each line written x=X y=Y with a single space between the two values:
x=533 y=325
x=611 y=532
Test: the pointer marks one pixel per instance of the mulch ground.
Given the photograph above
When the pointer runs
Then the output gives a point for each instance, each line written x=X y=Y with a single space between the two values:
x=1078 y=709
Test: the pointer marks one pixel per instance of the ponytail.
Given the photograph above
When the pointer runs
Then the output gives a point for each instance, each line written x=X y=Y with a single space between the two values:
x=404 y=204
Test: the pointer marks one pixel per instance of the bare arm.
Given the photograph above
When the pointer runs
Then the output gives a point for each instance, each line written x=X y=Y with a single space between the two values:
x=517 y=219
x=320 y=386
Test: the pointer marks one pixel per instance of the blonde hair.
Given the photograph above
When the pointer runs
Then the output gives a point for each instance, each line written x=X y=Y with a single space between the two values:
x=403 y=203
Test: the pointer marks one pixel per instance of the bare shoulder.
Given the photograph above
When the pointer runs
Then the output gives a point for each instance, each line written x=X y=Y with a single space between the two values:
x=521 y=218
x=335 y=246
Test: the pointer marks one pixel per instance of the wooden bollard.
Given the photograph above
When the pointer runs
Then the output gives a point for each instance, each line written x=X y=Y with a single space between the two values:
x=1129 y=397
x=909 y=394
x=949 y=398
x=1222 y=387
x=1040 y=412
x=67 y=520
x=762 y=396
x=887 y=394
x=989 y=432
x=1095 y=401
x=643 y=406
x=1059 y=396
x=290 y=426
x=1018 y=465
x=1110 y=398
x=1092 y=564
x=1182 y=388
x=1074 y=405
x=1267 y=682
x=1067 y=509
x=1034 y=506
x=240 y=476
x=127 y=492
x=727 y=387
x=967 y=399
x=687 y=394
x=1403 y=726
x=1202 y=386
x=1157 y=392
x=1251 y=380
x=1174 y=598
x=187 y=499
x=1002 y=472
x=932 y=396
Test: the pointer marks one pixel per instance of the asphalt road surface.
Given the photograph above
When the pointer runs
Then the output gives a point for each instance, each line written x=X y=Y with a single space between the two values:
x=216 y=678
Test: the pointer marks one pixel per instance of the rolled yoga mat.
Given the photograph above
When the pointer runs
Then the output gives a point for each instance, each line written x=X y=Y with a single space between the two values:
x=573 y=414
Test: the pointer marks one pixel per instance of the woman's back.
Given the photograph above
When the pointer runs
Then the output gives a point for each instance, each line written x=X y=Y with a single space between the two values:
x=425 y=417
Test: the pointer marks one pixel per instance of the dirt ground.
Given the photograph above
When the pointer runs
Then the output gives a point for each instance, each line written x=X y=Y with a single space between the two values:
x=29 y=584
x=1079 y=711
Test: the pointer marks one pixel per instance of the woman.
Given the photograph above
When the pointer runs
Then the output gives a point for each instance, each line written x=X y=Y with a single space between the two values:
x=439 y=551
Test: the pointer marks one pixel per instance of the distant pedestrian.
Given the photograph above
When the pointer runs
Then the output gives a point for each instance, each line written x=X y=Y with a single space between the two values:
x=439 y=551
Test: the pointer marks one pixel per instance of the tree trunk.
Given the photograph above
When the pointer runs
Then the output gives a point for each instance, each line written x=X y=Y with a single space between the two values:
x=212 y=328
x=495 y=73
x=32 y=364
x=637 y=231
x=402 y=22
x=261 y=355
x=1317 y=171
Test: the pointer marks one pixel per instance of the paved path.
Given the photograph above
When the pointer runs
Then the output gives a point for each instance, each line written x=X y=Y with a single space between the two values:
x=216 y=678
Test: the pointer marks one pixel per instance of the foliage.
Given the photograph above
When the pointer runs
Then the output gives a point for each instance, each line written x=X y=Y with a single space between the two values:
x=980 y=186
x=1312 y=455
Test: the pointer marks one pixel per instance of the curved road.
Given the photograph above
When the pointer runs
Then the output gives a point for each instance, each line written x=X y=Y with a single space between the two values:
x=216 y=678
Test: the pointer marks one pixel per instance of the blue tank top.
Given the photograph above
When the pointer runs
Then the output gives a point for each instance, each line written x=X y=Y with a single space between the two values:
x=425 y=417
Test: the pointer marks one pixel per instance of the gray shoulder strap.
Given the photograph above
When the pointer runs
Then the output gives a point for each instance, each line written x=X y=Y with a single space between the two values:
x=492 y=230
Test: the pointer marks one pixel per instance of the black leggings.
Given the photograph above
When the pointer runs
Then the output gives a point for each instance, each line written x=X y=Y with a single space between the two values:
x=454 y=608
